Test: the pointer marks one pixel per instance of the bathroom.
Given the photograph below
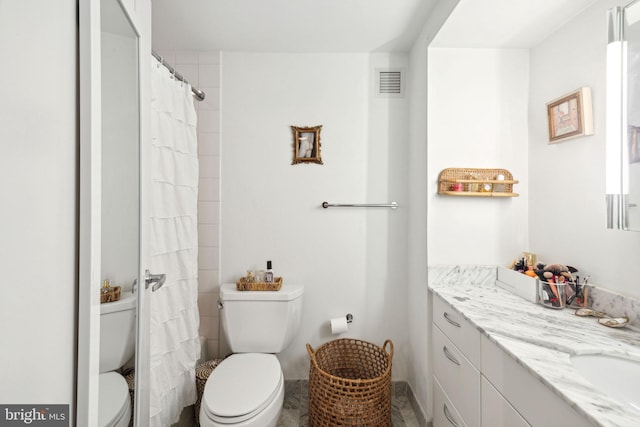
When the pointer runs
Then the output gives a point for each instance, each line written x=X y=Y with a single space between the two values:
x=371 y=263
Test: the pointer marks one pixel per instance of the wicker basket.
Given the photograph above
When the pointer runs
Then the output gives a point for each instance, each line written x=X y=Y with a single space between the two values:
x=130 y=378
x=110 y=294
x=203 y=371
x=350 y=384
x=244 y=285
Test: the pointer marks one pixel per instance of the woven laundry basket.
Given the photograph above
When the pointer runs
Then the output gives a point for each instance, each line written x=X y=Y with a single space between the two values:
x=350 y=384
x=130 y=378
x=203 y=371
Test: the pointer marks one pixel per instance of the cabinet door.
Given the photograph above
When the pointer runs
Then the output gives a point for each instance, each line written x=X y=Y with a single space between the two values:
x=496 y=411
x=537 y=403
x=458 y=377
x=444 y=413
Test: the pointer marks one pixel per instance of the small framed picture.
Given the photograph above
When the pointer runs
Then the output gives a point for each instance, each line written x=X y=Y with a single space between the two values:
x=306 y=144
x=570 y=115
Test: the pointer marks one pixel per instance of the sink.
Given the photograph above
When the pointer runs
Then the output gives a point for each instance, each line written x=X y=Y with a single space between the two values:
x=614 y=376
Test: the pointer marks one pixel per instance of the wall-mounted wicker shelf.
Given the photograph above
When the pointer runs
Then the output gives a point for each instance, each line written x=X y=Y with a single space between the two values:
x=472 y=182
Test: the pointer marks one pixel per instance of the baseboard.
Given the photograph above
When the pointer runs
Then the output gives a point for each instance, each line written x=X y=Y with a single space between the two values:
x=417 y=409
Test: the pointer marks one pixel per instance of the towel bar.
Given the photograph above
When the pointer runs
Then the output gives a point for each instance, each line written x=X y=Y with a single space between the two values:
x=392 y=205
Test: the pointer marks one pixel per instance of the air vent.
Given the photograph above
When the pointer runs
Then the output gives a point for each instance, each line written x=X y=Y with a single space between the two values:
x=389 y=83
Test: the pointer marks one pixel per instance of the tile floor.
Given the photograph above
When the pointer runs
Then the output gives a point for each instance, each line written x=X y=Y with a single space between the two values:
x=294 y=412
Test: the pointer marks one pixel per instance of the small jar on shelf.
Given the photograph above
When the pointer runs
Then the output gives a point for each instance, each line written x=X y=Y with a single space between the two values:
x=485 y=187
x=473 y=186
x=457 y=186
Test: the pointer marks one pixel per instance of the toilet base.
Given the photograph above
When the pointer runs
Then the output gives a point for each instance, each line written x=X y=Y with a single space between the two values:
x=267 y=418
x=114 y=406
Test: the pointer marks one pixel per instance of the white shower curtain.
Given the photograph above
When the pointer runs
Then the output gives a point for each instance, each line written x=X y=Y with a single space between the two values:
x=174 y=339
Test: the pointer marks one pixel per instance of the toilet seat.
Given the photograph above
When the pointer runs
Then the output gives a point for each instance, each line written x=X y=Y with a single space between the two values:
x=241 y=387
x=113 y=393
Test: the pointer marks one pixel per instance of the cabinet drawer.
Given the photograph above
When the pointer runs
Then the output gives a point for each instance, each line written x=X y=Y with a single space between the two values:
x=537 y=403
x=459 y=330
x=459 y=379
x=496 y=411
x=444 y=413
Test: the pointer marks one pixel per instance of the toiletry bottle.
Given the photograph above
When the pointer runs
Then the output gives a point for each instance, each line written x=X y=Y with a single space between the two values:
x=529 y=272
x=269 y=274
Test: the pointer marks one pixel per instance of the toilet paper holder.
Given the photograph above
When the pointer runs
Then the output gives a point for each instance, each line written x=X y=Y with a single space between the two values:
x=340 y=325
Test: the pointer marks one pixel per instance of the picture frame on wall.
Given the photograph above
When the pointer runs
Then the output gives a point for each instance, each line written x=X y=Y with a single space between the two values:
x=306 y=144
x=570 y=116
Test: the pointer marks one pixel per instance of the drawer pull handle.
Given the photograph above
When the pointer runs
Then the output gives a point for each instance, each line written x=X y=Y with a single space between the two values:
x=450 y=356
x=453 y=322
x=449 y=416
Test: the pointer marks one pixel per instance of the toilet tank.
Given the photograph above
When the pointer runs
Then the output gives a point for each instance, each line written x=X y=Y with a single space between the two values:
x=260 y=321
x=117 y=332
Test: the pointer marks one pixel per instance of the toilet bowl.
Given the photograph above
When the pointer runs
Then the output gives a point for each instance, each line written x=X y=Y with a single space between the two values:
x=244 y=390
x=114 y=409
x=117 y=347
x=247 y=388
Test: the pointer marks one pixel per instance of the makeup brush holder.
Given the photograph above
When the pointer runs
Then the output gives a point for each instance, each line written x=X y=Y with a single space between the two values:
x=552 y=295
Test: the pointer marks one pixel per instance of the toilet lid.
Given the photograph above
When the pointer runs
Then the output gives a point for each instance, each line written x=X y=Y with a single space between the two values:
x=113 y=398
x=242 y=385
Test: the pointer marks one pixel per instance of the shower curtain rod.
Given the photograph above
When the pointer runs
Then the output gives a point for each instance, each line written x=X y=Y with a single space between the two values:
x=196 y=92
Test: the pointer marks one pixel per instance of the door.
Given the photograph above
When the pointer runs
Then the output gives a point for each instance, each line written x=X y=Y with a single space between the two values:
x=114 y=59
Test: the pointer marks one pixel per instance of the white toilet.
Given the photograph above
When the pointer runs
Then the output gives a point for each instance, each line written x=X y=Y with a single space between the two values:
x=117 y=347
x=247 y=388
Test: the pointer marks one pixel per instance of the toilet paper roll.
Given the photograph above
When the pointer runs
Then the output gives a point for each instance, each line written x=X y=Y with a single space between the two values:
x=339 y=325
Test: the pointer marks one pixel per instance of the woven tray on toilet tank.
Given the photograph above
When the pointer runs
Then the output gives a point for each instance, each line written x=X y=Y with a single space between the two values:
x=350 y=384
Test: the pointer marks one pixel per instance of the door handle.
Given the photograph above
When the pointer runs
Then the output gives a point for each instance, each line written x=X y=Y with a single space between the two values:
x=157 y=280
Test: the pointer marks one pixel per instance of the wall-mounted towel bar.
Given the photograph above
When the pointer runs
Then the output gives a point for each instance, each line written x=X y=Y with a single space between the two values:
x=392 y=205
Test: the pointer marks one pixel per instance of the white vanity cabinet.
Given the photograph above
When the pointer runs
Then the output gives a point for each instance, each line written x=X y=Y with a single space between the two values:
x=462 y=396
x=456 y=361
x=477 y=384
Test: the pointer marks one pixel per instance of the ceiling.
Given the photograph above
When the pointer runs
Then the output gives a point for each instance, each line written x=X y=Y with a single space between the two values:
x=506 y=23
x=288 y=25
x=351 y=25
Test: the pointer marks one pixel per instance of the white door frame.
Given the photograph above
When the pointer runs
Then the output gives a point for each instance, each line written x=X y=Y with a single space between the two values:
x=90 y=208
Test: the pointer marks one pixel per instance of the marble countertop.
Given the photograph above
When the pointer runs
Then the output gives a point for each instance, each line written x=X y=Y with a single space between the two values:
x=541 y=339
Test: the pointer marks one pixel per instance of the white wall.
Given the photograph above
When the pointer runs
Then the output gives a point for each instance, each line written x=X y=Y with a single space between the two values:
x=562 y=185
x=418 y=319
x=38 y=168
x=349 y=260
x=567 y=186
x=477 y=118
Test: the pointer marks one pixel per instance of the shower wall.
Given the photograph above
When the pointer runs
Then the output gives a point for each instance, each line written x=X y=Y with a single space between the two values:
x=202 y=70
